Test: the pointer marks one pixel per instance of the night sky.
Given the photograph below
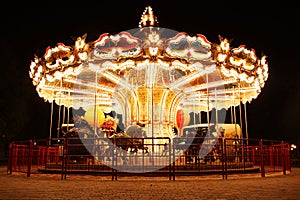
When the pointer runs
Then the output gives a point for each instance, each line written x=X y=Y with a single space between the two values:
x=271 y=29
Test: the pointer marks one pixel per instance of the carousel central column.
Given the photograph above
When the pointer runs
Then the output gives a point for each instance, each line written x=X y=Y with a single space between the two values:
x=151 y=80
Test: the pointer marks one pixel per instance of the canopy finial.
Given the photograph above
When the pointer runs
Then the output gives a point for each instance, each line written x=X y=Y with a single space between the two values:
x=148 y=18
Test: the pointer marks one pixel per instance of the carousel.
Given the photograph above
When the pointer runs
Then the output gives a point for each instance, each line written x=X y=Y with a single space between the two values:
x=152 y=79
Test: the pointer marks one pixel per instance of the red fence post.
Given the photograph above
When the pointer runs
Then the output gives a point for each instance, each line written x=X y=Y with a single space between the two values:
x=283 y=158
x=65 y=159
x=45 y=156
x=10 y=157
x=277 y=157
x=29 y=161
x=15 y=155
x=262 y=165
x=253 y=155
x=62 y=157
x=271 y=157
x=222 y=157
x=288 y=157
x=174 y=160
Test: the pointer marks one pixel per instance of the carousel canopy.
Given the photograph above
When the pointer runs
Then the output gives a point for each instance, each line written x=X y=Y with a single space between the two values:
x=120 y=65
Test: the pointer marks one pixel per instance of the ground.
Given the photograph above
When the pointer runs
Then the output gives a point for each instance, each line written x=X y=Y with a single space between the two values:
x=37 y=186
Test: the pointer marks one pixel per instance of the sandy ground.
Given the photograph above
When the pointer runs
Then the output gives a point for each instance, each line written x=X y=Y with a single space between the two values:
x=51 y=186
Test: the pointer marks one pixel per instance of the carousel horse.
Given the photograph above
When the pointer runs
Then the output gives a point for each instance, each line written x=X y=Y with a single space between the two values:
x=128 y=142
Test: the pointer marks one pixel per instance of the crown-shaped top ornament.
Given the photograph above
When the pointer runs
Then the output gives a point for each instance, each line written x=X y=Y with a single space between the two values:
x=148 y=19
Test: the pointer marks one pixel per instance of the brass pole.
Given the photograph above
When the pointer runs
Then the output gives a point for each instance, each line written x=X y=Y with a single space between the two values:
x=51 y=119
x=59 y=110
x=207 y=91
x=231 y=114
x=234 y=114
x=216 y=102
x=240 y=110
x=246 y=123
x=241 y=121
x=199 y=108
x=95 y=106
x=64 y=114
x=68 y=114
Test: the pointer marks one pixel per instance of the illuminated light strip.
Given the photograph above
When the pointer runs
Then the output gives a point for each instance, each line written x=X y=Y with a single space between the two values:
x=68 y=71
x=96 y=67
x=36 y=77
x=41 y=83
x=116 y=52
x=130 y=53
x=221 y=92
x=257 y=85
x=163 y=64
x=142 y=65
x=59 y=95
x=58 y=75
x=220 y=101
x=70 y=60
x=90 y=103
x=114 y=38
x=199 y=37
x=112 y=66
x=242 y=90
x=209 y=68
x=242 y=48
x=54 y=89
x=117 y=80
x=238 y=49
x=51 y=66
x=204 y=98
x=129 y=38
x=88 y=100
x=104 y=55
x=80 y=93
x=241 y=76
x=241 y=63
x=178 y=65
x=199 y=103
x=33 y=65
x=223 y=104
x=196 y=66
x=101 y=40
x=100 y=99
x=59 y=47
x=90 y=84
x=127 y=65
x=182 y=53
x=200 y=55
x=185 y=79
x=204 y=40
x=209 y=85
x=77 y=70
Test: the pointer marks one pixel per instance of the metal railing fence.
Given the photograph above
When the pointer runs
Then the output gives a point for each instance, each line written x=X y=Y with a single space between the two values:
x=157 y=156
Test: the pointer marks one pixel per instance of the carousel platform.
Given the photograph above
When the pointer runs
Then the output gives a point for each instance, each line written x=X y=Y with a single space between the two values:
x=185 y=169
